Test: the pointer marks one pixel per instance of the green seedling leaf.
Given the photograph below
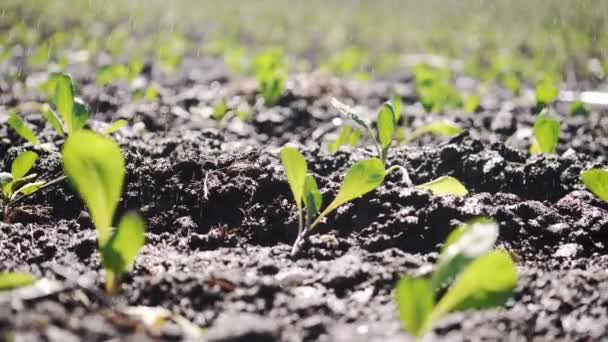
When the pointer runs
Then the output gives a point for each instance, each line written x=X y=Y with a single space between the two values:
x=363 y=177
x=220 y=110
x=115 y=126
x=28 y=189
x=441 y=128
x=471 y=104
x=386 y=125
x=397 y=107
x=487 y=282
x=107 y=74
x=415 y=299
x=51 y=116
x=14 y=280
x=23 y=164
x=64 y=99
x=311 y=195
x=348 y=136
x=578 y=108
x=546 y=134
x=596 y=180
x=445 y=186
x=81 y=115
x=96 y=168
x=21 y=128
x=295 y=169
x=466 y=243
x=118 y=255
x=546 y=92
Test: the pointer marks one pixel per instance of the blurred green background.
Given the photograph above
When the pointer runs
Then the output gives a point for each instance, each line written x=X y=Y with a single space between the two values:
x=531 y=40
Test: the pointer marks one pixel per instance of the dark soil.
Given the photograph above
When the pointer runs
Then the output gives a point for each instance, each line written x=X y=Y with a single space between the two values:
x=220 y=219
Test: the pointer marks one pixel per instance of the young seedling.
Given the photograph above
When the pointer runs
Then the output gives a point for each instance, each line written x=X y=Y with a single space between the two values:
x=363 y=177
x=596 y=180
x=434 y=88
x=19 y=126
x=96 y=168
x=578 y=108
x=445 y=186
x=270 y=72
x=17 y=184
x=546 y=92
x=475 y=276
x=347 y=137
x=546 y=134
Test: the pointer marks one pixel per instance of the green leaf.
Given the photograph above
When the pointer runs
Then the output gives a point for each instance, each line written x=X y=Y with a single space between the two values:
x=28 y=189
x=21 y=128
x=348 y=136
x=546 y=92
x=363 y=177
x=118 y=255
x=295 y=169
x=64 y=99
x=415 y=299
x=578 y=108
x=546 y=134
x=115 y=126
x=220 y=110
x=397 y=107
x=23 y=164
x=386 y=125
x=51 y=116
x=444 y=186
x=311 y=195
x=14 y=280
x=487 y=282
x=471 y=104
x=81 y=115
x=96 y=168
x=596 y=180
x=441 y=128
x=466 y=243
x=107 y=74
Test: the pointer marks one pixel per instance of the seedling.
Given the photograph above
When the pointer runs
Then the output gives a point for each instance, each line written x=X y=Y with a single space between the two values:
x=445 y=186
x=471 y=104
x=578 y=108
x=363 y=177
x=546 y=92
x=596 y=180
x=347 y=137
x=434 y=88
x=112 y=73
x=386 y=126
x=270 y=72
x=17 y=184
x=546 y=134
x=475 y=276
x=96 y=168
x=13 y=280
x=17 y=124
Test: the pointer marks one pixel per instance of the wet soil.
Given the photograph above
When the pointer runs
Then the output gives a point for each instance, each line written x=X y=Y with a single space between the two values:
x=221 y=221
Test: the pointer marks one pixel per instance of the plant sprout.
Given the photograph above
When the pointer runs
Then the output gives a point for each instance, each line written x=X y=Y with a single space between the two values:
x=475 y=276
x=546 y=134
x=596 y=180
x=546 y=92
x=363 y=177
x=96 y=168
x=13 y=280
x=271 y=73
x=347 y=137
x=16 y=184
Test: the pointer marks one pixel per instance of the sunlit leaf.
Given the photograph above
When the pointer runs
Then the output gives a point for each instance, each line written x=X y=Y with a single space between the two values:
x=471 y=104
x=21 y=128
x=397 y=107
x=415 y=299
x=118 y=255
x=441 y=128
x=596 y=180
x=95 y=166
x=51 y=116
x=23 y=164
x=546 y=92
x=386 y=125
x=116 y=126
x=465 y=243
x=487 y=282
x=14 y=280
x=64 y=99
x=444 y=186
x=295 y=169
x=311 y=195
x=28 y=188
x=578 y=108
x=81 y=114
x=546 y=134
